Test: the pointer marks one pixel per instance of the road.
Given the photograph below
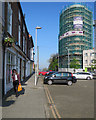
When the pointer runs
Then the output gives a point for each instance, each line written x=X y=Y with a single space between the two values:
x=76 y=101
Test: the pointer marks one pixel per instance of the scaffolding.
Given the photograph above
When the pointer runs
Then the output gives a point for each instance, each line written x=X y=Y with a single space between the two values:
x=76 y=43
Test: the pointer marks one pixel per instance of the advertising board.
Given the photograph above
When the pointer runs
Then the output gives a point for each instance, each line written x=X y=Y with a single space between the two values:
x=78 y=22
x=71 y=33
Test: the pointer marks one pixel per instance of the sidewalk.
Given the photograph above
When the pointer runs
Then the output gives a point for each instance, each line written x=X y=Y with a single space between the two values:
x=31 y=103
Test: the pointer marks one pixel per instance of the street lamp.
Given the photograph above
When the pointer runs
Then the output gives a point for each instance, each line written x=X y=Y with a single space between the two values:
x=37 y=60
x=36 y=55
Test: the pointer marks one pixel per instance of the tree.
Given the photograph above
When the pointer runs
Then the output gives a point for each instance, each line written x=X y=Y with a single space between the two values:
x=53 y=62
x=45 y=69
x=75 y=64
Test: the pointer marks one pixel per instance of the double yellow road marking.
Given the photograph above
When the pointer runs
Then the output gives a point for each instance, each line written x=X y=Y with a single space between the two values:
x=52 y=105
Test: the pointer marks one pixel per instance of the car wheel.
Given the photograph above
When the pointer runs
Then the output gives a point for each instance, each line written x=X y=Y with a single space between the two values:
x=49 y=82
x=88 y=78
x=69 y=83
x=40 y=73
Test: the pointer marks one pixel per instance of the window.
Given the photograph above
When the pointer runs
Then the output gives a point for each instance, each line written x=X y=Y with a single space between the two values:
x=23 y=28
x=9 y=66
x=9 y=19
x=25 y=46
x=24 y=43
x=86 y=61
x=90 y=54
x=91 y=61
x=65 y=74
x=19 y=16
x=58 y=74
x=19 y=35
x=86 y=54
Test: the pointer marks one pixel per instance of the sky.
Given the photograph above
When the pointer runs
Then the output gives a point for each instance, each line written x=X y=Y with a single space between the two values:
x=45 y=15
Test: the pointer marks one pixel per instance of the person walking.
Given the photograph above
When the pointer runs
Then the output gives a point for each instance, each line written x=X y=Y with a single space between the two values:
x=16 y=81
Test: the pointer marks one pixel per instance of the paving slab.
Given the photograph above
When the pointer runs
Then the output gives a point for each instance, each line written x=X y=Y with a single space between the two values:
x=29 y=104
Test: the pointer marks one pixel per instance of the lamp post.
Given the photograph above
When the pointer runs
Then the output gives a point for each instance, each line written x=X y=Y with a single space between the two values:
x=36 y=56
x=37 y=60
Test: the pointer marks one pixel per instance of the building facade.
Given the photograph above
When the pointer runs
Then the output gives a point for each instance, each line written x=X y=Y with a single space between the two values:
x=95 y=25
x=88 y=57
x=75 y=34
x=2 y=22
x=95 y=34
x=18 y=55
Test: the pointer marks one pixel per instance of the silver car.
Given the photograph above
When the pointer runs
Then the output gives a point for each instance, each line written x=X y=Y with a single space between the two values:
x=83 y=75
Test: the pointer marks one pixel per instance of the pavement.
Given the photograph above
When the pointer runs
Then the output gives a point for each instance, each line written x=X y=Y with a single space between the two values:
x=31 y=102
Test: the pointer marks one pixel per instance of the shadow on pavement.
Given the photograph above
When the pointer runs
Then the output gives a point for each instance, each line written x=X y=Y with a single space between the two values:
x=23 y=84
x=58 y=83
x=7 y=103
x=27 y=78
x=21 y=92
x=9 y=94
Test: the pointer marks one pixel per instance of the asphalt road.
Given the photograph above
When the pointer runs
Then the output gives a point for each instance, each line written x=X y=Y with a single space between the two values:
x=76 y=101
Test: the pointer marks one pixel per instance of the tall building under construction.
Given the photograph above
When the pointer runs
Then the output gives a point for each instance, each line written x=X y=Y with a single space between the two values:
x=75 y=34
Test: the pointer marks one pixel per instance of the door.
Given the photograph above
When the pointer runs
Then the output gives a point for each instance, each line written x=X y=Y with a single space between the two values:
x=24 y=69
x=20 y=67
x=57 y=77
x=79 y=76
x=65 y=76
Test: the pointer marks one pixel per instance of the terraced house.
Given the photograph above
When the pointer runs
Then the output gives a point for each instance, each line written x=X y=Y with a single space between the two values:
x=17 y=45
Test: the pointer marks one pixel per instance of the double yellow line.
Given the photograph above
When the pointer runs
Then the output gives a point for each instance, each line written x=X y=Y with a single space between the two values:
x=51 y=102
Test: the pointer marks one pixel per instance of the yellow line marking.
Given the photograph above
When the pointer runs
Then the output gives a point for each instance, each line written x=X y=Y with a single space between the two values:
x=50 y=103
x=53 y=103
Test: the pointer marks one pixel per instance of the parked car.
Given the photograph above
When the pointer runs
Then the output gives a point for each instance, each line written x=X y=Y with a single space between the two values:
x=94 y=74
x=66 y=77
x=83 y=75
x=43 y=72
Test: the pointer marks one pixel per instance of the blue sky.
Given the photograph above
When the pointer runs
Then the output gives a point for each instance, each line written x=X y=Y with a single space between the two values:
x=45 y=15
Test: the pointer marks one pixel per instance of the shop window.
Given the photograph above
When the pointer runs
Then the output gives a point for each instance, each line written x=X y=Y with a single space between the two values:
x=9 y=66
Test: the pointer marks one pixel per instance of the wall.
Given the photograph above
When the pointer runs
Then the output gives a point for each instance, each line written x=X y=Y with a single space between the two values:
x=1 y=54
x=69 y=70
x=87 y=57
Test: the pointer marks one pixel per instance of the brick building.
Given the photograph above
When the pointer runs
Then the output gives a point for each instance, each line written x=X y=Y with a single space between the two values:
x=19 y=55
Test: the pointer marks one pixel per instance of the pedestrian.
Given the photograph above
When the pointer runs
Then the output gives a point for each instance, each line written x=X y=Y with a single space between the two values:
x=16 y=80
